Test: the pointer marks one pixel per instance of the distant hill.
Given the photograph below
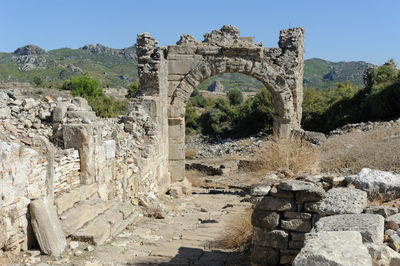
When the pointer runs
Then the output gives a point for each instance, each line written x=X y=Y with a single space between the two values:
x=118 y=67
x=113 y=67
x=321 y=74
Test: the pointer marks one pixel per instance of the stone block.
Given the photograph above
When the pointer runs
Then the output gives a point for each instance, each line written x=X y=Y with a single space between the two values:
x=265 y=219
x=110 y=148
x=315 y=194
x=287 y=256
x=264 y=256
x=296 y=185
x=72 y=134
x=176 y=170
x=311 y=206
x=381 y=210
x=5 y=112
x=343 y=201
x=174 y=50
x=276 y=204
x=295 y=244
x=47 y=228
x=259 y=190
x=297 y=215
x=297 y=225
x=181 y=66
x=371 y=226
x=297 y=236
x=279 y=193
x=333 y=248
x=267 y=238
x=176 y=129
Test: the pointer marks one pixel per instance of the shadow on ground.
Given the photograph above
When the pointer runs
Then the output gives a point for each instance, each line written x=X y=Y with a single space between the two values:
x=197 y=256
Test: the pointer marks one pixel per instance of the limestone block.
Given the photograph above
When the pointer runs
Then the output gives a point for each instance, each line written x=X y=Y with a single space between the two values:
x=110 y=148
x=47 y=228
x=264 y=256
x=181 y=66
x=383 y=255
x=81 y=103
x=176 y=151
x=259 y=190
x=181 y=50
x=176 y=170
x=377 y=183
x=276 y=204
x=279 y=193
x=59 y=111
x=5 y=112
x=297 y=225
x=315 y=194
x=371 y=226
x=297 y=215
x=72 y=135
x=66 y=201
x=342 y=201
x=333 y=248
x=87 y=116
x=273 y=239
x=265 y=219
x=381 y=210
x=296 y=185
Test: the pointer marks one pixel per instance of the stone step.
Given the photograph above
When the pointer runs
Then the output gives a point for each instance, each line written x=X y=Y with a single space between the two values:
x=67 y=200
x=108 y=224
x=77 y=217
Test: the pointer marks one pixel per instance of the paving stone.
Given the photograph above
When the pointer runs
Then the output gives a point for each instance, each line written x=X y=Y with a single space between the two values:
x=371 y=226
x=76 y=217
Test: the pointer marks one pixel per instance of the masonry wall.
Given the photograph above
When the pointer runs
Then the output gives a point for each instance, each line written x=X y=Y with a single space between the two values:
x=282 y=215
x=23 y=178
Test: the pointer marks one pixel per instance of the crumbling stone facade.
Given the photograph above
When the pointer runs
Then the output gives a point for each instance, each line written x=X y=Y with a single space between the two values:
x=171 y=74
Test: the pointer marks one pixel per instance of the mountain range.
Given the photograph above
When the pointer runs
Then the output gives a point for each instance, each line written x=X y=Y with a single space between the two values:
x=118 y=67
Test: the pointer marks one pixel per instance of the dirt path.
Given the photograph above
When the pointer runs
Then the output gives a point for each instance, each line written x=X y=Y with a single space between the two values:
x=187 y=236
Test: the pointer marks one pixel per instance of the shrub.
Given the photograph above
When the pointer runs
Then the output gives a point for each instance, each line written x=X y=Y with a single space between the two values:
x=107 y=106
x=235 y=96
x=132 y=89
x=83 y=86
x=191 y=119
x=37 y=81
x=239 y=233
x=290 y=157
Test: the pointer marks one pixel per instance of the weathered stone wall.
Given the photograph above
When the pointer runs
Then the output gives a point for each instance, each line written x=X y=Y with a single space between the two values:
x=23 y=178
x=282 y=215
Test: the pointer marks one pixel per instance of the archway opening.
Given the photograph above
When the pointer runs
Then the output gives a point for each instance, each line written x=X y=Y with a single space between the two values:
x=230 y=105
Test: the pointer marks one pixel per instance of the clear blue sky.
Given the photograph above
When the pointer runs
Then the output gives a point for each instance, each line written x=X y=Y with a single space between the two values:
x=336 y=30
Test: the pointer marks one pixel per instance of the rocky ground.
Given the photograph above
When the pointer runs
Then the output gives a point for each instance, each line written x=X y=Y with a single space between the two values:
x=188 y=235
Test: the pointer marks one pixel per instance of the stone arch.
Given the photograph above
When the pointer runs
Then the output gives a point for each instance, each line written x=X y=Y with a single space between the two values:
x=264 y=72
x=170 y=74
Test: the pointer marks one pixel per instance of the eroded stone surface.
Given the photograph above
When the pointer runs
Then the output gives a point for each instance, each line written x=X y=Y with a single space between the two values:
x=371 y=226
x=333 y=248
x=343 y=201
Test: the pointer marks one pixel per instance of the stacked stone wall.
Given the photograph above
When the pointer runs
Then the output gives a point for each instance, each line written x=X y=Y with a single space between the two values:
x=282 y=215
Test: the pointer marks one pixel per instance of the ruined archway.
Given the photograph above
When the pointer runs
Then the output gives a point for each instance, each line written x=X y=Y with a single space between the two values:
x=172 y=73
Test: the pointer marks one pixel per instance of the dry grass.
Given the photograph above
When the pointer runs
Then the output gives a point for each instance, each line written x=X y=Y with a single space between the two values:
x=376 y=149
x=195 y=177
x=290 y=157
x=189 y=153
x=240 y=231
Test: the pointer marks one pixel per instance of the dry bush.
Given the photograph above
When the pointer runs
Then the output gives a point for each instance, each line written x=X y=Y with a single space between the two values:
x=291 y=156
x=239 y=233
x=195 y=177
x=376 y=149
x=189 y=153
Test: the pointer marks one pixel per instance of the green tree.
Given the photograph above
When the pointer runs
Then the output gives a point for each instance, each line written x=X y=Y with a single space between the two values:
x=83 y=86
x=132 y=89
x=235 y=96
x=37 y=81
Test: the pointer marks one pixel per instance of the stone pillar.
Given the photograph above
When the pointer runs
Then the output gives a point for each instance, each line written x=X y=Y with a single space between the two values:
x=80 y=136
x=291 y=41
x=176 y=133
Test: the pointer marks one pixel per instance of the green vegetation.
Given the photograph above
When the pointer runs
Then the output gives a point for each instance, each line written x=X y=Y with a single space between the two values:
x=379 y=100
x=89 y=89
x=132 y=89
x=59 y=65
x=229 y=118
x=235 y=96
x=37 y=81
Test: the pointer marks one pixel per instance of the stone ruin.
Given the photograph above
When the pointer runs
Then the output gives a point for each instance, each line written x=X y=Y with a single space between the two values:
x=62 y=165
x=168 y=75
